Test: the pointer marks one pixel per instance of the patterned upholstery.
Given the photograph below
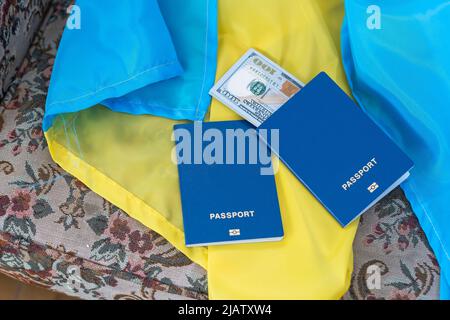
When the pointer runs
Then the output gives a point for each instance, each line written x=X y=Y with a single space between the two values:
x=390 y=238
x=19 y=21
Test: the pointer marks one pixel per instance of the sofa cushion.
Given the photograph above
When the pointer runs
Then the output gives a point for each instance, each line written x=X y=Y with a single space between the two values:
x=56 y=233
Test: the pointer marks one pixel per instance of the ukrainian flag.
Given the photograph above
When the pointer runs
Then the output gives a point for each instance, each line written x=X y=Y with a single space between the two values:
x=136 y=68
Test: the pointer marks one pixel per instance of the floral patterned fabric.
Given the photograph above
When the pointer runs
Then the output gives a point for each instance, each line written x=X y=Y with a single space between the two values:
x=56 y=233
x=19 y=20
x=391 y=243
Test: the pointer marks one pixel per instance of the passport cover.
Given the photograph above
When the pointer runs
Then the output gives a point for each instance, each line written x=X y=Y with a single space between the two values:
x=244 y=203
x=336 y=150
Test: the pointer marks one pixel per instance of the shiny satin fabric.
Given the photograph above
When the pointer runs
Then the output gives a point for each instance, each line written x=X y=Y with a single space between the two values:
x=117 y=86
x=400 y=74
x=139 y=57
x=126 y=158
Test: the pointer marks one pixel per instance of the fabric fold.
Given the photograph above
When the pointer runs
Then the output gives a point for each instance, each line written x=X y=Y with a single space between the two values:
x=118 y=86
x=138 y=57
x=400 y=74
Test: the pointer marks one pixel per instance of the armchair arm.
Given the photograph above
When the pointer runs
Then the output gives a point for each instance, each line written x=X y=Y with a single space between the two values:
x=19 y=21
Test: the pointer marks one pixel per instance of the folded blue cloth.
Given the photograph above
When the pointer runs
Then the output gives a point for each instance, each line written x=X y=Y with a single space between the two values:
x=400 y=74
x=139 y=57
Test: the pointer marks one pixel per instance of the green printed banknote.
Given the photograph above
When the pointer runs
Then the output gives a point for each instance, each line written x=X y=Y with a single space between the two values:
x=255 y=87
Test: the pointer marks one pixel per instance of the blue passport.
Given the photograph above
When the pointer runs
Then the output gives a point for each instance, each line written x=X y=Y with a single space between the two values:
x=227 y=187
x=336 y=150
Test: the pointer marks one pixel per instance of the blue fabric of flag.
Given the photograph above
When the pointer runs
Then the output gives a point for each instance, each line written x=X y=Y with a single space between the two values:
x=137 y=56
x=397 y=59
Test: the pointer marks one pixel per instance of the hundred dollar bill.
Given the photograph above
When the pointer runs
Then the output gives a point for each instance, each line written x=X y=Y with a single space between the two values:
x=255 y=87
